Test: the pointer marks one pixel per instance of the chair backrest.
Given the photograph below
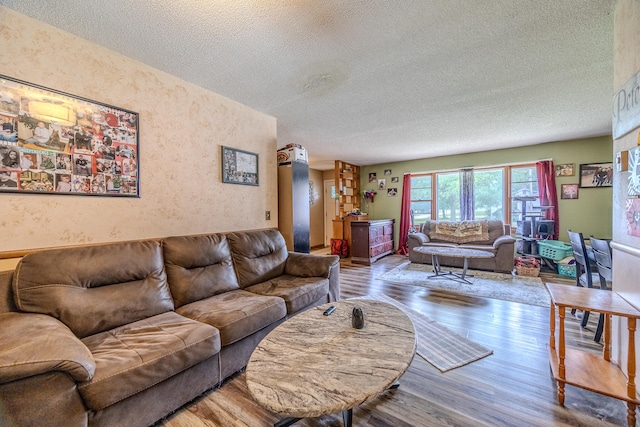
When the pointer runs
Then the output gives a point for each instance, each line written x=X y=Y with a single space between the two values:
x=604 y=260
x=583 y=268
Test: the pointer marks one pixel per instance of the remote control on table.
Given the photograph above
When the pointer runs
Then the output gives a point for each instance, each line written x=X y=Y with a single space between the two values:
x=329 y=310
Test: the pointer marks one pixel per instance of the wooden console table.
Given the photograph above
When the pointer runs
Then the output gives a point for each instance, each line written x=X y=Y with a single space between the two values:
x=590 y=371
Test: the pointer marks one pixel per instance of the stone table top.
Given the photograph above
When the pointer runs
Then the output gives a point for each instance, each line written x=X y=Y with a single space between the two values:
x=313 y=364
x=454 y=251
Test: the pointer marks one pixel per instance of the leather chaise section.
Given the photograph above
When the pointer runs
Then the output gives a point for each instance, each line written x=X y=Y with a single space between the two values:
x=136 y=356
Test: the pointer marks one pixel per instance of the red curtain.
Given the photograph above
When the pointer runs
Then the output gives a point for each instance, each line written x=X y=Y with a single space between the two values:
x=547 y=192
x=405 y=216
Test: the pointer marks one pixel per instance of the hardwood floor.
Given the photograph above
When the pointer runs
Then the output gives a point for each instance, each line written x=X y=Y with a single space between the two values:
x=511 y=387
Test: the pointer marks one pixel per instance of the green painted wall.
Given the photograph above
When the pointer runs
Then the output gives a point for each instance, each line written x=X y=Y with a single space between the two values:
x=591 y=213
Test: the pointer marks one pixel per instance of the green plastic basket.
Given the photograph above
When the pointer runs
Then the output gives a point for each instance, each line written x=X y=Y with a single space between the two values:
x=567 y=270
x=554 y=249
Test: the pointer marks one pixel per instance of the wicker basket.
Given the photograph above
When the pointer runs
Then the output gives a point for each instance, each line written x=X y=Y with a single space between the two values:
x=522 y=270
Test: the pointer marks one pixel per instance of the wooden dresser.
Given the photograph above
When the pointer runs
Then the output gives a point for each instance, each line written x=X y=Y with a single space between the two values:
x=371 y=240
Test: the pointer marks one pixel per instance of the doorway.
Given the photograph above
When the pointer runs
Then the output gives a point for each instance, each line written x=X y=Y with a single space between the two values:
x=330 y=210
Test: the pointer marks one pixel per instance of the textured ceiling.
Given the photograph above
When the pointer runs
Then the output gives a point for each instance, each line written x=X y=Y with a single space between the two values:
x=376 y=81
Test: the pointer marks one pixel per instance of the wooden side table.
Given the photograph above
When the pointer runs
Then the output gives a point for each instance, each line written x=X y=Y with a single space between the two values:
x=590 y=371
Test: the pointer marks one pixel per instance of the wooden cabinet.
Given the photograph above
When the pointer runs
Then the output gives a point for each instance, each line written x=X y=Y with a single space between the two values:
x=347 y=188
x=585 y=370
x=371 y=240
x=342 y=229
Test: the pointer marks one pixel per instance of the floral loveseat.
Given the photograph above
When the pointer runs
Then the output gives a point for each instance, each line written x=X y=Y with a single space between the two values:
x=488 y=235
x=122 y=334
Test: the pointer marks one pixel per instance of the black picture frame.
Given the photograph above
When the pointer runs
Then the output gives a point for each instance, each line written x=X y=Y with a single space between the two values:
x=239 y=167
x=596 y=175
x=52 y=142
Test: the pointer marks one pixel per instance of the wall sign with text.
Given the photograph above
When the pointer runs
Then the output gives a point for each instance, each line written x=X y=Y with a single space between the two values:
x=626 y=107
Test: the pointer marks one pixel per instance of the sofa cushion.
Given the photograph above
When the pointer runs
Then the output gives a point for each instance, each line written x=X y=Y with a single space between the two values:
x=258 y=255
x=460 y=232
x=297 y=292
x=136 y=356
x=93 y=289
x=198 y=267
x=236 y=314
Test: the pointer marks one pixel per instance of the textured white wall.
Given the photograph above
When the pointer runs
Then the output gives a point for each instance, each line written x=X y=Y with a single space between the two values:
x=182 y=128
x=626 y=248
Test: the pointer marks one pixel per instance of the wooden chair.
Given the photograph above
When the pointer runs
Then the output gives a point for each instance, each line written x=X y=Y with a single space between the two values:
x=585 y=274
x=604 y=262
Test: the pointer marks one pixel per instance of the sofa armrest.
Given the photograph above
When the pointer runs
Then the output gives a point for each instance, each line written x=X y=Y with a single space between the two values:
x=503 y=240
x=307 y=265
x=417 y=239
x=33 y=344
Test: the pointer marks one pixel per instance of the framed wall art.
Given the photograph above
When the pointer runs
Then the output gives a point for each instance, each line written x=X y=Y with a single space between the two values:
x=566 y=169
x=596 y=175
x=56 y=143
x=569 y=191
x=633 y=167
x=239 y=167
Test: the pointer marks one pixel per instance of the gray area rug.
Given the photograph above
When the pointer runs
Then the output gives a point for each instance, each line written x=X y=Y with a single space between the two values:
x=437 y=344
x=486 y=284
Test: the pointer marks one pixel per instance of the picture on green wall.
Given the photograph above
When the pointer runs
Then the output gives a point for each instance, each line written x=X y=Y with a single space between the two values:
x=569 y=191
x=566 y=169
x=55 y=143
x=596 y=175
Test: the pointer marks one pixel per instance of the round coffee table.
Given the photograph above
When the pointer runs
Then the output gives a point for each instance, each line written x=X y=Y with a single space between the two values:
x=452 y=251
x=314 y=365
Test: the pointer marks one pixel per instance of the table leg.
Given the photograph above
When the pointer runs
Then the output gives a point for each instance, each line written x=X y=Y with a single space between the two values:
x=286 y=422
x=436 y=264
x=631 y=371
x=465 y=264
x=561 y=355
x=347 y=417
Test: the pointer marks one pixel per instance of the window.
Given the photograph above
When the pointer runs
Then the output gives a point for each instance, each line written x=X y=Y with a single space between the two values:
x=488 y=193
x=437 y=195
x=421 y=197
x=448 y=196
x=524 y=185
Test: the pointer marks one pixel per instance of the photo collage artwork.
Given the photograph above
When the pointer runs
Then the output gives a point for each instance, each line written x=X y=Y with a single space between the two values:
x=56 y=143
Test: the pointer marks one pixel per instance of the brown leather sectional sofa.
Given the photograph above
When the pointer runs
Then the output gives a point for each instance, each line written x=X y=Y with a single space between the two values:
x=123 y=334
x=497 y=240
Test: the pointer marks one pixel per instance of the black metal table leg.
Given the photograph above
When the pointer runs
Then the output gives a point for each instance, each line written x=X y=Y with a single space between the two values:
x=347 y=417
x=286 y=422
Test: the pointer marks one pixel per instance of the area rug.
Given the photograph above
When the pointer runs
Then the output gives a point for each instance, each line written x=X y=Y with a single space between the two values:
x=486 y=284
x=436 y=344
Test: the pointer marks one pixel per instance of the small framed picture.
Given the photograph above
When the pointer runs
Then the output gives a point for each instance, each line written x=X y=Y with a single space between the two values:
x=392 y=192
x=239 y=167
x=569 y=191
x=373 y=177
x=596 y=175
x=387 y=171
x=566 y=169
x=395 y=179
x=382 y=184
